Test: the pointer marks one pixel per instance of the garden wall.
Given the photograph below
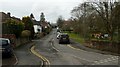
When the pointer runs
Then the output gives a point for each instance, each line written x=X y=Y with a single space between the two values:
x=15 y=41
x=105 y=46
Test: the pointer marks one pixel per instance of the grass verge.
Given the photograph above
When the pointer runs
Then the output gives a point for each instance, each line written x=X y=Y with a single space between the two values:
x=76 y=37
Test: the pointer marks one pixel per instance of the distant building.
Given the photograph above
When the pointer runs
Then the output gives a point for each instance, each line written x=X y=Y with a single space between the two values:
x=67 y=25
x=45 y=24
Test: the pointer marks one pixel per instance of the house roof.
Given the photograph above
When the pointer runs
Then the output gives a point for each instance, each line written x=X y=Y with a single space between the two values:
x=4 y=17
x=36 y=22
x=43 y=24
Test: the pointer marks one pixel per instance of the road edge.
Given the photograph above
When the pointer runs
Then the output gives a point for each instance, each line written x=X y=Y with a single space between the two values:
x=16 y=60
x=44 y=60
x=32 y=53
x=91 y=49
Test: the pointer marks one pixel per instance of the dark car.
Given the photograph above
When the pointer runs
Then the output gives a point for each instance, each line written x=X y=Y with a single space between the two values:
x=6 y=48
x=64 y=38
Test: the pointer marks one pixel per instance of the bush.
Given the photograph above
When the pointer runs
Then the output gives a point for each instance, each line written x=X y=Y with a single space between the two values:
x=15 y=27
x=26 y=33
x=28 y=25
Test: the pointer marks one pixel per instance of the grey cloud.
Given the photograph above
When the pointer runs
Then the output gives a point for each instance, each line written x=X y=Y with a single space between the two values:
x=51 y=8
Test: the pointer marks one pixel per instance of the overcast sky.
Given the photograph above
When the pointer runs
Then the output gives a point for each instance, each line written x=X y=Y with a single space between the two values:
x=51 y=8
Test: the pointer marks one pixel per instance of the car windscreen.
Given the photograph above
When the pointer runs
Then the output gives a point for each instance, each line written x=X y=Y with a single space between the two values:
x=66 y=36
x=3 y=42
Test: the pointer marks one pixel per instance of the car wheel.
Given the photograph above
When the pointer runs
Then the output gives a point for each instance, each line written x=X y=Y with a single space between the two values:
x=10 y=54
x=68 y=42
x=59 y=42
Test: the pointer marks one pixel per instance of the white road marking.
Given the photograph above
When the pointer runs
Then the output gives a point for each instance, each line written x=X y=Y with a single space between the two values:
x=109 y=59
x=54 y=48
x=81 y=58
x=72 y=47
x=96 y=62
x=105 y=60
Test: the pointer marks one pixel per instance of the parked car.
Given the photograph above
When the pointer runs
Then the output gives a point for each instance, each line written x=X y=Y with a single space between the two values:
x=6 y=47
x=64 y=38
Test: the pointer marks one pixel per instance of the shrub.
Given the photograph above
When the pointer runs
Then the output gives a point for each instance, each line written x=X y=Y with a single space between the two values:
x=26 y=33
x=15 y=27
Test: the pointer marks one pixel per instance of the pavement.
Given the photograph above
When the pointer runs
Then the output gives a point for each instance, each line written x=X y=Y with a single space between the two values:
x=8 y=60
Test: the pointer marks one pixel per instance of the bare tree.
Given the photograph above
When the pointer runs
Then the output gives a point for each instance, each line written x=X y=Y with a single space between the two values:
x=106 y=12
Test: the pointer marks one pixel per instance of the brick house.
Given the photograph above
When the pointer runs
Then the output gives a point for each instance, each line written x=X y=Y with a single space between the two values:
x=3 y=18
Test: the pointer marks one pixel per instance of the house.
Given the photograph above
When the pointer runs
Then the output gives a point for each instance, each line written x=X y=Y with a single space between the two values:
x=44 y=24
x=46 y=27
x=67 y=25
x=36 y=25
x=39 y=26
x=3 y=18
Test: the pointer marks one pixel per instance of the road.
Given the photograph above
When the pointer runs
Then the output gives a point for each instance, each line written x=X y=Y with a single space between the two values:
x=65 y=54
x=25 y=57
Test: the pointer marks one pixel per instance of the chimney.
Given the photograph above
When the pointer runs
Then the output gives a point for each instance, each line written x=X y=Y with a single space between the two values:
x=8 y=14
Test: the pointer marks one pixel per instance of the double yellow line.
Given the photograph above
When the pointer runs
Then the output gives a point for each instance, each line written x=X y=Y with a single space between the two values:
x=45 y=60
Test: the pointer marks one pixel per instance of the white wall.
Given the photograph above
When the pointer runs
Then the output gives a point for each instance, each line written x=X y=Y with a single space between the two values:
x=36 y=27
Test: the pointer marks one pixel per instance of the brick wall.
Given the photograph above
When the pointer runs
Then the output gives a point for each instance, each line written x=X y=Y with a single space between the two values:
x=15 y=42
